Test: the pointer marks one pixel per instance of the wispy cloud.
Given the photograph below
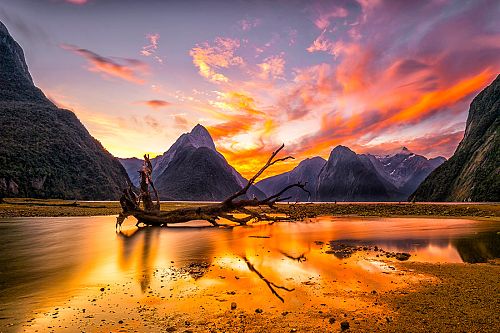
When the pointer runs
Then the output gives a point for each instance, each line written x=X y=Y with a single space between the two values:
x=209 y=59
x=150 y=49
x=130 y=70
x=273 y=67
x=77 y=2
x=248 y=24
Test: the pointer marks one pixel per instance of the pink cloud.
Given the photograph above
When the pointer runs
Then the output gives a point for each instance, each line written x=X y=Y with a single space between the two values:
x=323 y=20
x=156 y=103
x=127 y=69
x=77 y=2
x=248 y=23
x=272 y=68
x=150 y=49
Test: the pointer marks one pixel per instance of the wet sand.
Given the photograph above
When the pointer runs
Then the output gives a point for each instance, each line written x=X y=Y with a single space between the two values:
x=421 y=298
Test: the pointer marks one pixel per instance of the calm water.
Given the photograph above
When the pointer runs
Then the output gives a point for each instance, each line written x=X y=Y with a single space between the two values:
x=56 y=263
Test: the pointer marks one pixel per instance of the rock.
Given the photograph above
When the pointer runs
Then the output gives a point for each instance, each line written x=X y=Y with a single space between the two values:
x=171 y=329
x=259 y=310
x=344 y=325
x=120 y=322
x=233 y=306
x=331 y=320
x=402 y=256
x=102 y=289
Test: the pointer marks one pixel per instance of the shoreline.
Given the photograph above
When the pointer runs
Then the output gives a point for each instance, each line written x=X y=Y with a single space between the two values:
x=20 y=207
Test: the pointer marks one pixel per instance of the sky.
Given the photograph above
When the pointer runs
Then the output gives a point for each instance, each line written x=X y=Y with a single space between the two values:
x=370 y=75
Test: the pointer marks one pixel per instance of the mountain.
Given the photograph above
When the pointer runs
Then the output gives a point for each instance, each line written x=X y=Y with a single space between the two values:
x=473 y=172
x=46 y=152
x=404 y=169
x=132 y=165
x=307 y=171
x=350 y=177
x=198 y=137
x=192 y=169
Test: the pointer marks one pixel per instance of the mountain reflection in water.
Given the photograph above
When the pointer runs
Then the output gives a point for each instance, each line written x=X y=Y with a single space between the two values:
x=48 y=262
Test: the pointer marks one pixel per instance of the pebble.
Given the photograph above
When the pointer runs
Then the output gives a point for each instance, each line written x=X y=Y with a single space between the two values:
x=344 y=325
x=259 y=310
x=233 y=306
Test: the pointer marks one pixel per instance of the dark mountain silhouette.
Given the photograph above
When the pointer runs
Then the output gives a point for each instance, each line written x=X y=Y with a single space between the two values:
x=350 y=177
x=46 y=152
x=307 y=171
x=404 y=169
x=473 y=172
x=132 y=165
x=192 y=169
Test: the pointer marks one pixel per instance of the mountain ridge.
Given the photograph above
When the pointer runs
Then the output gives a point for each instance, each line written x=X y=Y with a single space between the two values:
x=473 y=172
x=45 y=151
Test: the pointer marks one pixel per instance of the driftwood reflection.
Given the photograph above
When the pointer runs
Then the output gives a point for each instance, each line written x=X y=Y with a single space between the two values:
x=300 y=258
x=270 y=285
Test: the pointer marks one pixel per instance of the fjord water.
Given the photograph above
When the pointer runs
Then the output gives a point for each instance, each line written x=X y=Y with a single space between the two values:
x=51 y=269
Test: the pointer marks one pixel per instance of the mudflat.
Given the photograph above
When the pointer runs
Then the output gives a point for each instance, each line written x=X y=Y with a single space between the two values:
x=21 y=207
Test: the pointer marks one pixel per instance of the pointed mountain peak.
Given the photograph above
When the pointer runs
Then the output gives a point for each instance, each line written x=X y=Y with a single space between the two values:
x=341 y=152
x=200 y=137
x=405 y=151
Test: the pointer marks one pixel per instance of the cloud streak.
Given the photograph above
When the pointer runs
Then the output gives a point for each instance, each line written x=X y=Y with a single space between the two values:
x=130 y=70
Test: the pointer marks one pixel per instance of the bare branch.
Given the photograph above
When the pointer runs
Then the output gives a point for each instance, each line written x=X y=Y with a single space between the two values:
x=269 y=162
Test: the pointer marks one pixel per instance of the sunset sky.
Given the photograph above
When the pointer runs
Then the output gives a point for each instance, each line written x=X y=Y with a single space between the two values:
x=371 y=75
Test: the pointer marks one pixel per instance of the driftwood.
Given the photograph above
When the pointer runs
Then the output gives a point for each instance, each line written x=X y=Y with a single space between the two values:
x=151 y=215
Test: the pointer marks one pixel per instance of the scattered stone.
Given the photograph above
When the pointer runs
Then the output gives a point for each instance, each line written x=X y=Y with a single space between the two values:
x=171 y=329
x=331 y=320
x=259 y=310
x=234 y=305
x=402 y=256
x=120 y=322
x=102 y=289
x=344 y=325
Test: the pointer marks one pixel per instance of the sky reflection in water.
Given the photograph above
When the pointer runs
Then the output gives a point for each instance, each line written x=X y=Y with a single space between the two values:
x=51 y=263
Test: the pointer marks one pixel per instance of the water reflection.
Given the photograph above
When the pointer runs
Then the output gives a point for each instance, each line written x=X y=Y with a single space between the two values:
x=50 y=263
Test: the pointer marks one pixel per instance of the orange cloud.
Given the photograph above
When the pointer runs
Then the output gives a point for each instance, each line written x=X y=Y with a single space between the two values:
x=272 y=68
x=156 y=103
x=209 y=59
x=129 y=70
x=432 y=101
